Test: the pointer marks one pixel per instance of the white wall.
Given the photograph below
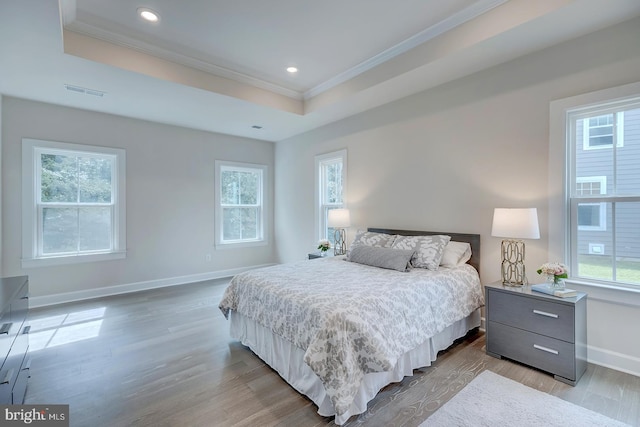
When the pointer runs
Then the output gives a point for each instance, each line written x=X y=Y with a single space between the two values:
x=445 y=158
x=170 y=200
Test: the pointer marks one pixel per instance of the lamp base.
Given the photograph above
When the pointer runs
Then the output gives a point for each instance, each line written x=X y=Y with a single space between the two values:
x=514 y=285
x=340 y=245
x=513 y=272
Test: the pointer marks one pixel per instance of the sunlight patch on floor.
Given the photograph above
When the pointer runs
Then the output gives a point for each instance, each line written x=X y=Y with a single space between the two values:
x=66 y=328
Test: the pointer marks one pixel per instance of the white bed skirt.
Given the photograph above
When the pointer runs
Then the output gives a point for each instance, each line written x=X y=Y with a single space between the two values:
x=287 y=360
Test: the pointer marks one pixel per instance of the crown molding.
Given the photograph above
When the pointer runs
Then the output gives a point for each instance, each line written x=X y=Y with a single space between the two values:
x=186 y=60
x=432 y=32
x=70 y=22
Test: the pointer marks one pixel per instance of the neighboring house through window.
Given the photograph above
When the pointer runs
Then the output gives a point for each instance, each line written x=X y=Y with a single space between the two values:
x=592 y=216
x=73 y=203
x=599 y=133
x=331 y=172
x=603 y=191
x=240 y=206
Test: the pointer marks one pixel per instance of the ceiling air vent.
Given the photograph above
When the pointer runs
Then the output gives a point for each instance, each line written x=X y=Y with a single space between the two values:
x=84 y=90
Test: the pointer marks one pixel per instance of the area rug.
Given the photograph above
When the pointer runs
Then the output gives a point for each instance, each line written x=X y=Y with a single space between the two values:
x=493 y=400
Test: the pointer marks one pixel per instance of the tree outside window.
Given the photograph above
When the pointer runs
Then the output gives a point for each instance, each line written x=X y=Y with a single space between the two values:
x=76 y=203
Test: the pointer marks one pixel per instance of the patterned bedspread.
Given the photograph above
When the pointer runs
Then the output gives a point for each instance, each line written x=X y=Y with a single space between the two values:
x=352 y=319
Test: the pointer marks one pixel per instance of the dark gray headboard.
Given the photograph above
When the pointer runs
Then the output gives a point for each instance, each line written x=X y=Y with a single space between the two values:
x=472 y=239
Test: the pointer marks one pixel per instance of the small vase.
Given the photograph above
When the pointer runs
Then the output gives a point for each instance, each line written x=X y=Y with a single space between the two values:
x=555 y=282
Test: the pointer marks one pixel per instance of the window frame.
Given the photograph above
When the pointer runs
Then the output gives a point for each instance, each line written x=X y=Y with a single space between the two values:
x=558 y=247
x=321 y=206
x=564 y=117
x=220 y=243
x=32 y=239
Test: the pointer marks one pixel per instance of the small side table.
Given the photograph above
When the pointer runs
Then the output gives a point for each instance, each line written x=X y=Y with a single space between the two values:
x=540 y=330
x=314 y=255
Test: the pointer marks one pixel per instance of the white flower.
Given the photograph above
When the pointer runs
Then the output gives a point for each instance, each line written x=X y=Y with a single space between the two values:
x=554 y=269
x=324 y=245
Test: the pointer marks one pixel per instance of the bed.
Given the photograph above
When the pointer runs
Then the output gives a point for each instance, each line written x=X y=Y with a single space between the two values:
x=339 y=331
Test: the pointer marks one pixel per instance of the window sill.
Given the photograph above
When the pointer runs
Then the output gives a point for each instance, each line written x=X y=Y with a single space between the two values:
x=606 y=292
x=237 y=245
x=71 y=259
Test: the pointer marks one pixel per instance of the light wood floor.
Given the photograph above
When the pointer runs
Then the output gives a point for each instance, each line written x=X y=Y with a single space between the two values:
x=164 y=358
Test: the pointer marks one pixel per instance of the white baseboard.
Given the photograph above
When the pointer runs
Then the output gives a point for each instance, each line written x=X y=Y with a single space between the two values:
x=611 y=359
x=62 y=298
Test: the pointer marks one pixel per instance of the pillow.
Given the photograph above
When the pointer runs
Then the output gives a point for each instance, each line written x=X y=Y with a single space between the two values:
x=456 y=254
x=392 y=259
x=428 y=249
x=369 y=238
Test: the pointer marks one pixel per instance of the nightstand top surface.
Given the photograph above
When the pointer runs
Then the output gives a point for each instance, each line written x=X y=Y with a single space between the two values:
x=526 y=291
x=319 y=254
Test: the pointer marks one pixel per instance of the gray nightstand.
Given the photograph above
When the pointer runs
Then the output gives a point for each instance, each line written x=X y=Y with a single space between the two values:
x=543 y=331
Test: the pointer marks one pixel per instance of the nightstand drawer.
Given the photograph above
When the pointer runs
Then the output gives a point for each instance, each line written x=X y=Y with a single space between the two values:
x=548 y=354
x=548 y=318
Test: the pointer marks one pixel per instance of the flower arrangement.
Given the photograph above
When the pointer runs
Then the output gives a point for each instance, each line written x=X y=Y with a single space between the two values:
x=554 y=271
x=324 y=245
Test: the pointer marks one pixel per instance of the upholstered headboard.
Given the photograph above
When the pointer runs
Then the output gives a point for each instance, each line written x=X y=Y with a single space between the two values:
x=472 y=239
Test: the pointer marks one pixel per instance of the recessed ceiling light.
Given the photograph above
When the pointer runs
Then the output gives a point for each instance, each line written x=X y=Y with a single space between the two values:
x=148 y=14
x=292 y=70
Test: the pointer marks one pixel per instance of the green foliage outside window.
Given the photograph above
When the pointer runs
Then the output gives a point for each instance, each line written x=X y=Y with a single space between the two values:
x=240 y=194
x=71 y=179
x=76 y=201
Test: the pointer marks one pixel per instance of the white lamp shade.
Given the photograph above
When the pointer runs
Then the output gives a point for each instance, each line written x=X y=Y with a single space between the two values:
x=339 y=218
x=515 y=223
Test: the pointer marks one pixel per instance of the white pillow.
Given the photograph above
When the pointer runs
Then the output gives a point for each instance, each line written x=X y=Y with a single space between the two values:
x=456 y=254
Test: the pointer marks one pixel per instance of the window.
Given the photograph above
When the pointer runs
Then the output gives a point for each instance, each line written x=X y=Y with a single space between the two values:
x=331 y=172
x=598 y=131
x=591 y=216
x=604 y=191
x=240 y=204
x=73 y=203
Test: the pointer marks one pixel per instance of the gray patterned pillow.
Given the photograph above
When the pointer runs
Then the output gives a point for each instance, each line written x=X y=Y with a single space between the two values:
x=369 y=238
x=393 y=259
x=428 y=249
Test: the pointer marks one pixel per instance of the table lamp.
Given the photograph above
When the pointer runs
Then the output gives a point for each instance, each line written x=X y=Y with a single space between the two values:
x=339 y=219
x=514 y=225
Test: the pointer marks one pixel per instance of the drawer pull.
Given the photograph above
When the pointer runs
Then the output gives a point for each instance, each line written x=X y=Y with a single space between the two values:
x=6 y=328
x=544 y=313
x=548 y=350
x=26 y=329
